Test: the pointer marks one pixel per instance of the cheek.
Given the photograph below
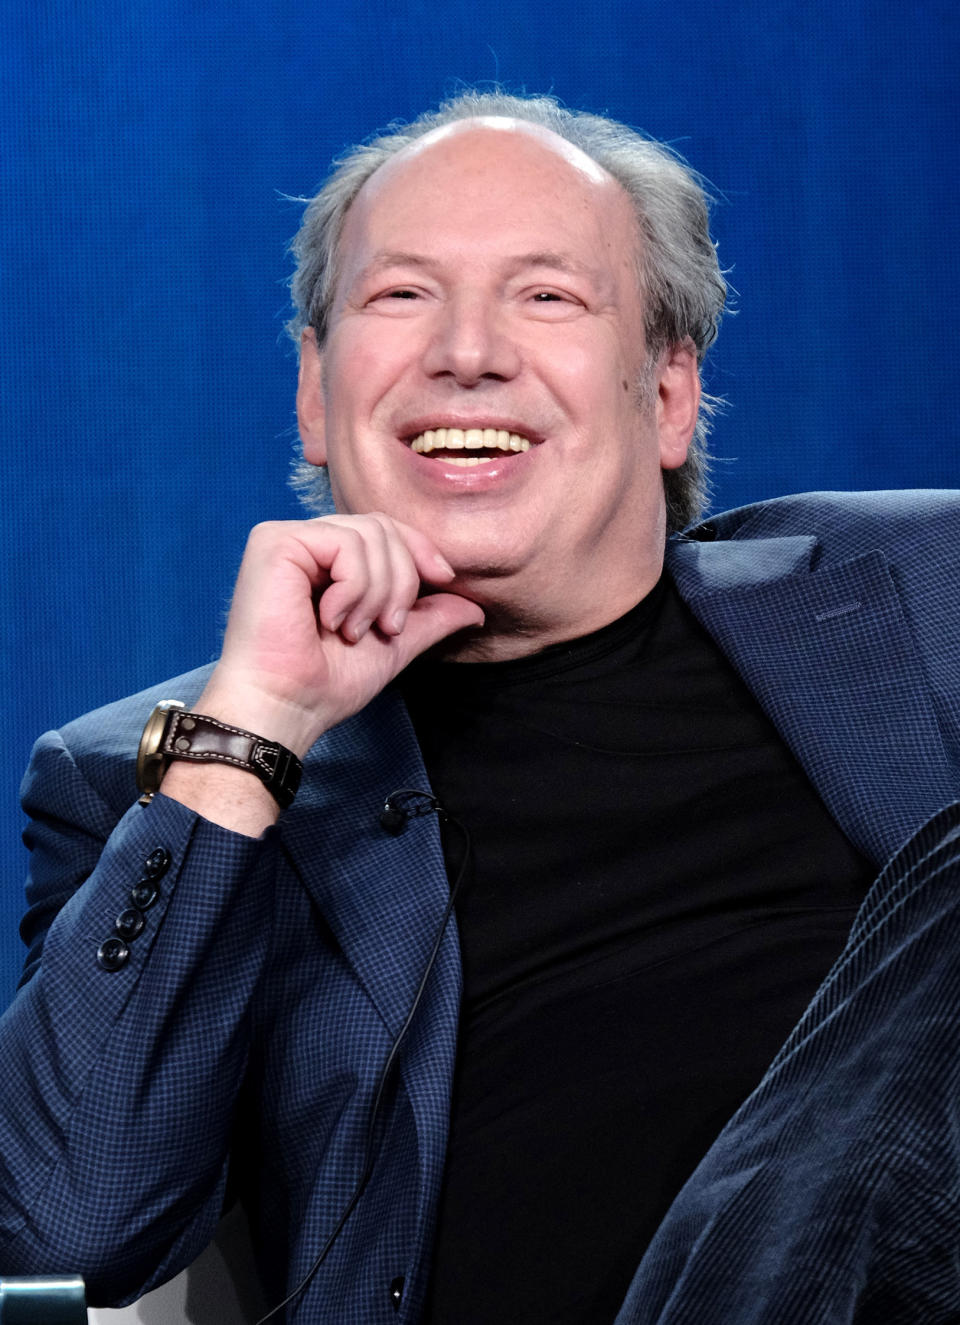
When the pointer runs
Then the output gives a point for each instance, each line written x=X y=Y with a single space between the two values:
x=367 y=359
x=356 y=482
x=572 y=361
x=592 y=374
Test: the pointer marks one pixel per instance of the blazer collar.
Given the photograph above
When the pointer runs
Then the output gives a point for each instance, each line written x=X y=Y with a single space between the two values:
x=827 y=652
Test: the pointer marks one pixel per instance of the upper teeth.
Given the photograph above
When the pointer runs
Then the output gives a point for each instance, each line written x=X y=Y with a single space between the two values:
x=469 y=439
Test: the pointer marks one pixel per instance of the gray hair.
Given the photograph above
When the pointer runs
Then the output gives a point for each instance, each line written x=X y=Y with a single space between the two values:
x=682 y=285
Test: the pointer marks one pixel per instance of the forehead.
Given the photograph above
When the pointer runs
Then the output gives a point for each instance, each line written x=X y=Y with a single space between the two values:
x=500 y=135
x=490 y=180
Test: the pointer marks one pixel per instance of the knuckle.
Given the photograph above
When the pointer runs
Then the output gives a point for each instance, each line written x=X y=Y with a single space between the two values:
x=264 y=532
x=265 y=540
x=389 y=528
x=375 y=527
x=348 y=526
x=407 y=581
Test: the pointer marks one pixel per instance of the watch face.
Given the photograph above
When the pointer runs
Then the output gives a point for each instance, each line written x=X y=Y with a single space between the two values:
x=150 y=761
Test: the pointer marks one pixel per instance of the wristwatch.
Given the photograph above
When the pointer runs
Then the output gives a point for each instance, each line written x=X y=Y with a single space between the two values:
x=173 y=732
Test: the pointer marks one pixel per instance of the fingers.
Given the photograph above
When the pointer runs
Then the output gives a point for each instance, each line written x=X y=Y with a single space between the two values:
x=432 y=566
x=434 y=618
x=348 y=574
x=376 y=574
x=325 y=614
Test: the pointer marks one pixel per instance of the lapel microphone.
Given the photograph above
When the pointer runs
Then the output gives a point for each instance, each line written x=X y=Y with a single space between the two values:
x=405 y=804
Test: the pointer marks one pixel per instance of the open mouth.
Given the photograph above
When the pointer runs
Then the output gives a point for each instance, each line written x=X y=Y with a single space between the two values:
x=483 y=444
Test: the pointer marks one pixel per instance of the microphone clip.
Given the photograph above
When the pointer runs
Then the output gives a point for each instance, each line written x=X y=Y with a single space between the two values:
x=405 y=804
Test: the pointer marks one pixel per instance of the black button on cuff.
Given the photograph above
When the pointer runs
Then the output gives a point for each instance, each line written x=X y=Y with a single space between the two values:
x=157 y=863
x=112 y=954
x=144 y=894
x=130 y=923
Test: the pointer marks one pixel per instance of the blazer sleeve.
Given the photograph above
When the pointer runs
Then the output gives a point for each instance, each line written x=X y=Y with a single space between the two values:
x=118 y=1086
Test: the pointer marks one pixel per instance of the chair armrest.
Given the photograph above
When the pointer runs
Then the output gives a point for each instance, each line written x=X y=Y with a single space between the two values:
x=43 y=1300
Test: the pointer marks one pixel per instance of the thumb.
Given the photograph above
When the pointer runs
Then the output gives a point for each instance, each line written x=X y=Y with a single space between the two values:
x=434 y=617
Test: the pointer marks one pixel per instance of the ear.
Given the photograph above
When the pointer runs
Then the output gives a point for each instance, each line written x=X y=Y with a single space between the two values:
x=678 y=400
x=311 y=401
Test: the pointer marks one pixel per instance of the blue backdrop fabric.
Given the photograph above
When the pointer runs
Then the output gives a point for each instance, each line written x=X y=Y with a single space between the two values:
x=148 y=149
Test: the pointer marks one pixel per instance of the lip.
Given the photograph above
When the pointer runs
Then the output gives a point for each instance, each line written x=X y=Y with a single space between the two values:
x=448 y=477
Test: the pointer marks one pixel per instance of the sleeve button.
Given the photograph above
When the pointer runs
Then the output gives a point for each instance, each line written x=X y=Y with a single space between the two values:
x=112 y=954
x=130 y=923
x=157 y=863
x=396 y=1292
x=144 y=894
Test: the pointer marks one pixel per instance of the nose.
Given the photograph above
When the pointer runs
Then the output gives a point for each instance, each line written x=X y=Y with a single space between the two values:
x=470 y=343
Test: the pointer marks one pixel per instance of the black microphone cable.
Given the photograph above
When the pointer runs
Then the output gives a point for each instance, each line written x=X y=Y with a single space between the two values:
x=393 y=819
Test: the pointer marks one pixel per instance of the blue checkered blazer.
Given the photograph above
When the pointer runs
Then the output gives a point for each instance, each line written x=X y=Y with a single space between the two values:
x=236 y=1052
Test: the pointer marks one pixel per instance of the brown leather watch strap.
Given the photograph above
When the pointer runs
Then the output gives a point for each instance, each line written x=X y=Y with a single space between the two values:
x=196 y=736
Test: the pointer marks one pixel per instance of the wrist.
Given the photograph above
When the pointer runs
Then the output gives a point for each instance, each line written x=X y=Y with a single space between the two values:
x=230 y=797
x=232 y=699
x=174 y=734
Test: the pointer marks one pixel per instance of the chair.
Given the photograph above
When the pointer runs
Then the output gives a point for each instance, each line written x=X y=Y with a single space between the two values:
x=219 y=1286
x=42 y=1300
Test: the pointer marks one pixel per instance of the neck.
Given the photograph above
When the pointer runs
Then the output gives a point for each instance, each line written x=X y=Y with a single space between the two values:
x=516 y=628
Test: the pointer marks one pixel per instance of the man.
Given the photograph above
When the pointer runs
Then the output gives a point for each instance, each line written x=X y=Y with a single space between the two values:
x=659 y=822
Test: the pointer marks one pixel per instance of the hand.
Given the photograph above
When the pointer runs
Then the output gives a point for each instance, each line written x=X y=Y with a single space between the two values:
x=325 y=613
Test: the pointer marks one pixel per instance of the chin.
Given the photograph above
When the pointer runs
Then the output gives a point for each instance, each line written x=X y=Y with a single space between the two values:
x=475 y=568
x=485 y=553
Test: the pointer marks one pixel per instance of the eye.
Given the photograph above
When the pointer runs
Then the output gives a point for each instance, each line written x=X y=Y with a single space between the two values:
x=395 y=299
x=553 y=304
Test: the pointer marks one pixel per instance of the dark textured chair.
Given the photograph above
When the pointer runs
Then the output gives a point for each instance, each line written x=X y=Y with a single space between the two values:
x=42 y=1301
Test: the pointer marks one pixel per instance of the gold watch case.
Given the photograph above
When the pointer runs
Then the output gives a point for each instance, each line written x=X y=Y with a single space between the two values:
x=151 y=763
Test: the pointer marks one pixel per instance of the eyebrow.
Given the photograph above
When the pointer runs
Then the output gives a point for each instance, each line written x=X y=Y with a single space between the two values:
x=522 y=261
x=394 y=258
x=558 y=262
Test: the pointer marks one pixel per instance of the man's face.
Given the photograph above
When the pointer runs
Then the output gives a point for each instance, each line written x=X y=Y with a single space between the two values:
x=480 y=376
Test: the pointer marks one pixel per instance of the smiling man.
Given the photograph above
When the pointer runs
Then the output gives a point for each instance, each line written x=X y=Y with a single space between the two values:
x=586 y=815
x=487 y=299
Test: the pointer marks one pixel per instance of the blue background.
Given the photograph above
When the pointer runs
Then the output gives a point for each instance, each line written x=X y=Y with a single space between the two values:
x=147 y=391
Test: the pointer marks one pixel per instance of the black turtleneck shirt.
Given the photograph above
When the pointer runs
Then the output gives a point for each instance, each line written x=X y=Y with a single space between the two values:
x=653 y=893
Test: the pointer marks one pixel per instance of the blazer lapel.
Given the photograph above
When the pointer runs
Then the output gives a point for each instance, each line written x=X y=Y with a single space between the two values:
x=383 y=896
x=828 y=655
